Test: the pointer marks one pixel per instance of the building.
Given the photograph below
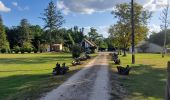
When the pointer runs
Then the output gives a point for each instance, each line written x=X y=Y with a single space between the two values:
x=147 y=47
x=56 y=48
x=89 y=46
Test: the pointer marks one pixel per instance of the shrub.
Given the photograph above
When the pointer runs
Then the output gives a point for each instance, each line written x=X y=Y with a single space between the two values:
x=16 y=49
x=66 y=49
x=35 y=50
x=3 y=50
x=28 y=50
x=76 y=51
x=27 y=47
x=22 y=50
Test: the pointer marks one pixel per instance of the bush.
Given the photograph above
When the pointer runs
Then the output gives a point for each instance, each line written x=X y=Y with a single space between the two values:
x=28 y=50
x=22 y=50
x=35 y=50
x=76 y=51
x=16 y=49
x=27 y=47
x=66 y=49
x=3 y=50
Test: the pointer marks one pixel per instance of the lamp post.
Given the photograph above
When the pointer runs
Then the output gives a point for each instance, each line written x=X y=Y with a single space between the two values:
x=133 y=32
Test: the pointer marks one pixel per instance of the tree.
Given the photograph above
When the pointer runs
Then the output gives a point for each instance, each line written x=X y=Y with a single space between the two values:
x=53 y=19
x=36 y=32
x=93 y=35
x=122 y=30
x=24 y=32
x=158 y=38
x=165 y=22
x=4 y=44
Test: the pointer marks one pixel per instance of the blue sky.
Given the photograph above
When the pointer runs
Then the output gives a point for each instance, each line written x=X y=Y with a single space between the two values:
x=83 y=13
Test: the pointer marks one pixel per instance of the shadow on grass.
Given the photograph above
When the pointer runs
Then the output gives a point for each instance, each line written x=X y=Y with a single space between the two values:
x=30 y=87
x=34 y=60
x=145 y=82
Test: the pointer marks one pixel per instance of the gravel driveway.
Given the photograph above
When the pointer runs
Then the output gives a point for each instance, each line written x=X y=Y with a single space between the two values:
x=90 y=83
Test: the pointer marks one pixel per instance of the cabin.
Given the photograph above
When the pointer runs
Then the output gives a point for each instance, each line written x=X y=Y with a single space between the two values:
x=55 y=48
x=89 y=46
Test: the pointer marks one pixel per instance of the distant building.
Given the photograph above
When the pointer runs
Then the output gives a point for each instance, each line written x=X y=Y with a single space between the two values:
x=147 y=47
x=56 y=48
x=89 y=46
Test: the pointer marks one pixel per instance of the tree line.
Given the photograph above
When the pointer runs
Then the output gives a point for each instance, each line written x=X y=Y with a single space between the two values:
x=27 y=38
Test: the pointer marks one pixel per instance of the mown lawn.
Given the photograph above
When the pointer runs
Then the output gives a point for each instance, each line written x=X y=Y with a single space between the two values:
x=28 y=76
x=147 y=78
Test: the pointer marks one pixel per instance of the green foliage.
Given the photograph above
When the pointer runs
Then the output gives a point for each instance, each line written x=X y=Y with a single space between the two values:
x=3 y=50
x=27 y=47
x=43 y=47
x=76 y=51
x=35 y=50
x=121 y=32
x=16 y=49
x=158 y=38
x=66 y=49
x=93 y=35
x=24 y=32
x=4 y=44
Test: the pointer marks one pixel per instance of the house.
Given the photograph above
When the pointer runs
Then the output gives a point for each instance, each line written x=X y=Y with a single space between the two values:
x=55 y=48
x=147 y=47
x=89 y=46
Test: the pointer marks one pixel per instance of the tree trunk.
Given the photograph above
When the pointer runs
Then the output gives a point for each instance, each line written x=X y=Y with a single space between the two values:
x=124 y=52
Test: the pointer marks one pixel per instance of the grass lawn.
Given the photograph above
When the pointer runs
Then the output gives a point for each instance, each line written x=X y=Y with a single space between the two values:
x=147 y=78
x=27 y=76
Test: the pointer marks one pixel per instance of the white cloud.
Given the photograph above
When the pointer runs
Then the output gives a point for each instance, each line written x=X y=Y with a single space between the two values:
x=15 y=4
x=3 y=8
x=87 y=6
x=155 y=5
x=91 y=6
x=20 y=8
x=153 y=28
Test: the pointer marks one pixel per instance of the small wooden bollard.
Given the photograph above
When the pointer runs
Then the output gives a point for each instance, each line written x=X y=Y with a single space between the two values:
x=167 y=91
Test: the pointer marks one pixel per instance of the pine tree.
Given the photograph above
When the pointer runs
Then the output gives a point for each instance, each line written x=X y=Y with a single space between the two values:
x=53 y=19
x=4 y=44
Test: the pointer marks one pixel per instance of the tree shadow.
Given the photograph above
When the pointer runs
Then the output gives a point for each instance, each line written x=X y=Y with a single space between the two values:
x=145 y=81
x=30 y=87
x=34 y=60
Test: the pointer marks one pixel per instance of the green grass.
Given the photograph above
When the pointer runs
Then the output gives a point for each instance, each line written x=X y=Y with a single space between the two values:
x=147 y=78
x=28 y=76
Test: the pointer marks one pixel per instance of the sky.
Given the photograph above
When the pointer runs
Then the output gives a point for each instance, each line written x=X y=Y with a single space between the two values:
x=82 y=13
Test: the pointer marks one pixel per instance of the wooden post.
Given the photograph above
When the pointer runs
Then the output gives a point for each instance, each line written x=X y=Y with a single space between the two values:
x=167 y=91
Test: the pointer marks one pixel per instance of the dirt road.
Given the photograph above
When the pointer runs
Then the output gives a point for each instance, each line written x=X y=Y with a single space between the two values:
x=90 y=83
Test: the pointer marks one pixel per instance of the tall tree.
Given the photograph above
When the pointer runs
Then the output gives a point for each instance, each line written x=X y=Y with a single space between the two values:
x=122 y=30
x=53 y=19
x=165 y=22
x=93 y=35
x=4 y=44
x=24 y=32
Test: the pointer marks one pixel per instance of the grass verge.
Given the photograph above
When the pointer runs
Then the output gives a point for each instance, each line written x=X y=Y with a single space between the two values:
x=147 y=78
x=28 y=76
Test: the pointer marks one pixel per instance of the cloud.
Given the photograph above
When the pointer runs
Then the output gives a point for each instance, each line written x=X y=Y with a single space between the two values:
x=91 y=6
x=87 y=6
x=15 y=4
x=153 y=28
x=3 y=8
x=155 y=5
x=20 y=8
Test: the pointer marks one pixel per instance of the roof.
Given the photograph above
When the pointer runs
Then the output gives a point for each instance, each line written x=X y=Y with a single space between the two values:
x=146 y=42
x=90 y=42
